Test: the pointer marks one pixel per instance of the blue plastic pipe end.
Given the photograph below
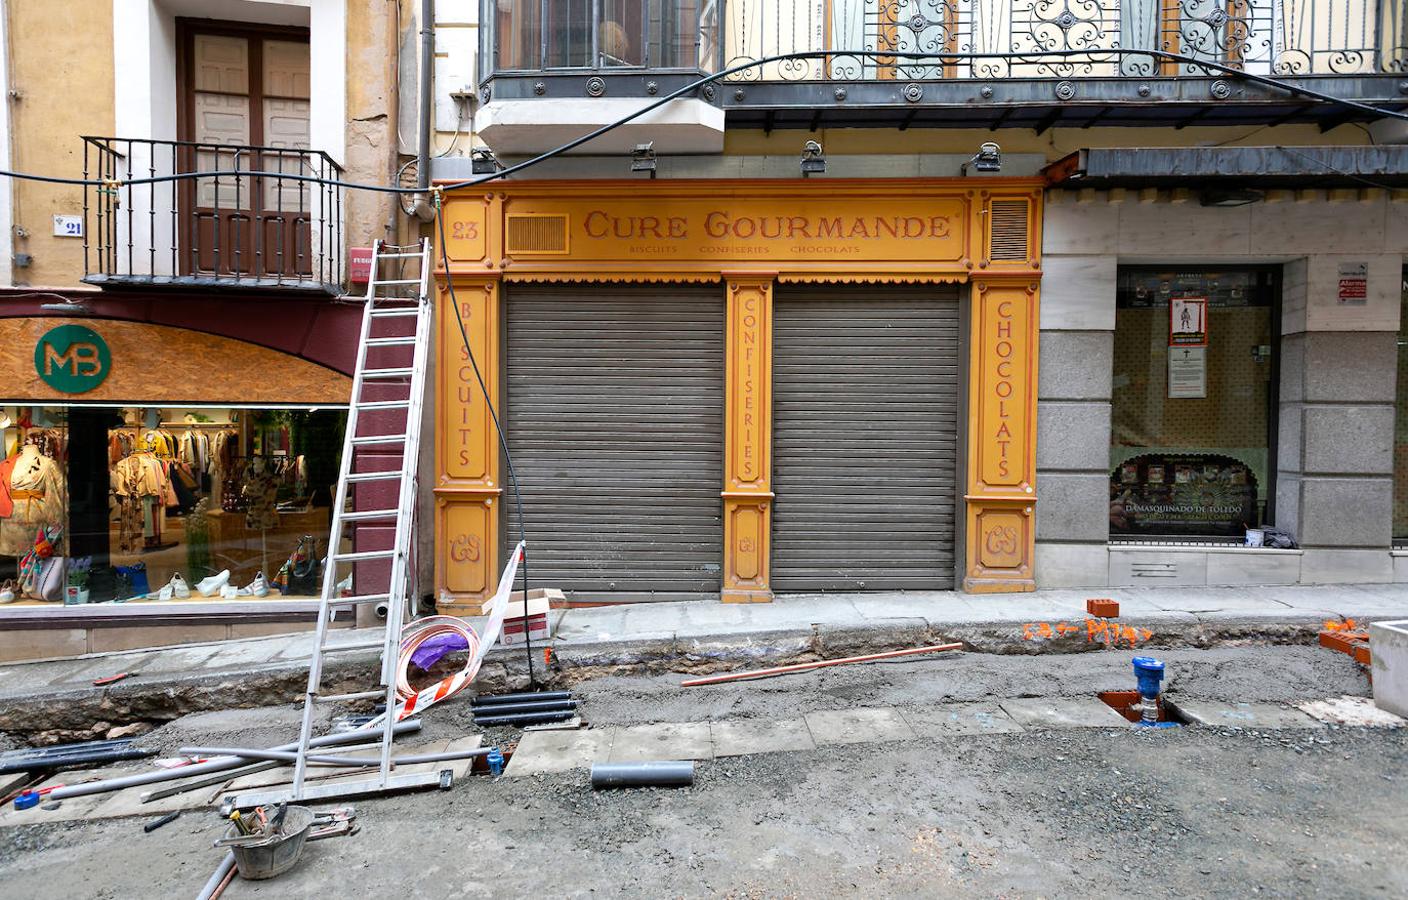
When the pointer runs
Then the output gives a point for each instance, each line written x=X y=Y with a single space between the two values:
x=27 y=799
x=495 y=760
x=1149 y=672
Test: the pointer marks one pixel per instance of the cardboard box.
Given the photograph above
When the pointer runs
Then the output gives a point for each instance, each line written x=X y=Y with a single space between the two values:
x=549 y=596
x=512 y=635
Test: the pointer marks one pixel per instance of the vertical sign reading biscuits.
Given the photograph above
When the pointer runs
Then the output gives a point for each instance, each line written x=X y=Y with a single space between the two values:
x=1002 y=436
x=466 y=445
x=747 y=490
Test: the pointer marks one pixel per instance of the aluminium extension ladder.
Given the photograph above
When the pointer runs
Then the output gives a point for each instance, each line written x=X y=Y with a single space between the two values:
x=403 y=381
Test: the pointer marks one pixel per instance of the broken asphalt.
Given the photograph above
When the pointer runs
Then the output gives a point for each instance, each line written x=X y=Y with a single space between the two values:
x=47 y=701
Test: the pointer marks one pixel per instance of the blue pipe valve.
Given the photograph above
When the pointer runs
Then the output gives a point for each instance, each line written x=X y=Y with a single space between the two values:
x=1150 y=673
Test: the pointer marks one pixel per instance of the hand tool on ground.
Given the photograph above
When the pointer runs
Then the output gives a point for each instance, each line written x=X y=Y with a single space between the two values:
x=164 y=820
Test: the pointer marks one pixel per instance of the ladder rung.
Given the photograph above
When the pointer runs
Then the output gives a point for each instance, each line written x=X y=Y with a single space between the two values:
x=379 y=439
x=397 y=280
x=385 y=373
x=356 y=645
x=356 y=695
x=363 y=554
x=415 y=255
x=363 y=598
x=397 y=313
x=384 y=404
x=364 y=515
x=390 y=342
x=356 y=477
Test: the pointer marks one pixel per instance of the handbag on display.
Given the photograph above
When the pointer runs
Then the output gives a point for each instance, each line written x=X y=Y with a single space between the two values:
x=301 y=573
x=41 y=574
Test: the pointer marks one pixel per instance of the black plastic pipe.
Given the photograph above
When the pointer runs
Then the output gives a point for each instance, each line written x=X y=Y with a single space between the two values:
x=528 y=696
x=500 y=709
x=528 y=718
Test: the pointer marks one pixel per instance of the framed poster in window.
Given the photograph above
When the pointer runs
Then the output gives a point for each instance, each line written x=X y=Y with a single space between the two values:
x=1188 y=322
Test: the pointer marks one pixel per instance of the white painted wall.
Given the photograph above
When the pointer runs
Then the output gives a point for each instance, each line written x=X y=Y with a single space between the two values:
x=144 y=101
x=7 y=199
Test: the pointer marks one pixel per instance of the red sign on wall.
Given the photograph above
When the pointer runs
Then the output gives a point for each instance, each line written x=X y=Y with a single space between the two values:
x=359 y=264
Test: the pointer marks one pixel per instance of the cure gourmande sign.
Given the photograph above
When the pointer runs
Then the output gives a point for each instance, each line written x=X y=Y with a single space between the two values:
x=72 y=359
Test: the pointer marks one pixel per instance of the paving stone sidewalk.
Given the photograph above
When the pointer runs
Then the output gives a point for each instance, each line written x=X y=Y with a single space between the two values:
x=743 y=634
x=545 y=752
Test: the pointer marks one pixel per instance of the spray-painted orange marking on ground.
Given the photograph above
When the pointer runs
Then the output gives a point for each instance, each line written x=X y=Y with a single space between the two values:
x=1103 y=631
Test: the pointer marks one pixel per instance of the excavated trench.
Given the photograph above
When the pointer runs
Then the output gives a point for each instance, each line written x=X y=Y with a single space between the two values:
x=135 y=706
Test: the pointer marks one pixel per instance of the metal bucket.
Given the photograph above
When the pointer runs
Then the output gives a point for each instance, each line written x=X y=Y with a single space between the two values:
x=277 y=853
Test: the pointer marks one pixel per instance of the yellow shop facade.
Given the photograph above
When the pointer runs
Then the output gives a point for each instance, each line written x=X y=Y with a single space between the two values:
x=734 y=389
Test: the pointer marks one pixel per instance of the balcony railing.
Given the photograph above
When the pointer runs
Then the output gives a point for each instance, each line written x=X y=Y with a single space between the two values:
x=247 y=223
x=990 y=39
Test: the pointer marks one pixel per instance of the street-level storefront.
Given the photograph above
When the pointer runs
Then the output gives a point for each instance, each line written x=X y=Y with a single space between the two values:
x=732 y=388
x=156 y=481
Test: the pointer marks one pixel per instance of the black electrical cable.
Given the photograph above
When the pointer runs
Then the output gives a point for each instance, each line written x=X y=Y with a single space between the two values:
x=1034 y=57
x=503 y=441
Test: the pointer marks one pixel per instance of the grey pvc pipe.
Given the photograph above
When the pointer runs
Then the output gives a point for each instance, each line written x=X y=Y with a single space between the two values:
x=355 y=761
x=441 y=757
x=643 y=774
x=215 y=765
x=280 y=756
x=224 y=868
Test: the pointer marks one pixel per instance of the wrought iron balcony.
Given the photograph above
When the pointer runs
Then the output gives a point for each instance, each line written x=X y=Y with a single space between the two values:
x=240 y=222
x=1003 y=62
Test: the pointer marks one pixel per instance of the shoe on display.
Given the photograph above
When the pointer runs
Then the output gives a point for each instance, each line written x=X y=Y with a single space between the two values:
x=229 y=591
x=7 y=592
x=179 y=588
x=211 y=586
x=256 y=588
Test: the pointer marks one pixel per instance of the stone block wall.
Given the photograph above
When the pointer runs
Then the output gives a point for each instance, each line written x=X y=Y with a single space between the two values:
x=1335 y=434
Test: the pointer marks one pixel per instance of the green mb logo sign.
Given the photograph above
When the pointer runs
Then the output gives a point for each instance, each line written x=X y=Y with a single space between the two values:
x=72 y=359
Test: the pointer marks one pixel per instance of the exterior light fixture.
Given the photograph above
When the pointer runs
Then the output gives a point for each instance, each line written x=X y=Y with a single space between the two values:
x=987 y=159
x=483 y=162
x=813 y=161
x=643 y=158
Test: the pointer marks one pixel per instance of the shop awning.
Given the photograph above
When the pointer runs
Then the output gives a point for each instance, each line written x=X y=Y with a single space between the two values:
x=1233 y=167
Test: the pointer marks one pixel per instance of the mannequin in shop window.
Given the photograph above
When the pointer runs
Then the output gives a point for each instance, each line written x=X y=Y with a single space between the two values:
x=32 y=496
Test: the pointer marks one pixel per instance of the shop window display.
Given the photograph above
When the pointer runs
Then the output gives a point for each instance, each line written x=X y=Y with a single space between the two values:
x=1193 y=402
x=149 y=505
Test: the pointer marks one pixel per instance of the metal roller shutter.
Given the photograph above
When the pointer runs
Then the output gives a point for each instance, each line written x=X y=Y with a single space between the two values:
x=865 y=439
x=615 y=422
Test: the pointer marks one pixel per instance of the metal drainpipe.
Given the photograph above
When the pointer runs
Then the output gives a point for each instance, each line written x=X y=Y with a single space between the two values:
x=8 y=219
x=426 y=85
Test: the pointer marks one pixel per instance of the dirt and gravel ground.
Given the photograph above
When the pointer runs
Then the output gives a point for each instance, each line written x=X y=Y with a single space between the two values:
x=1093 y=812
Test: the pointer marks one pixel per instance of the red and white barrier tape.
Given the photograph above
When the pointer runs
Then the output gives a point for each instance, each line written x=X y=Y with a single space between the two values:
x=418 y=701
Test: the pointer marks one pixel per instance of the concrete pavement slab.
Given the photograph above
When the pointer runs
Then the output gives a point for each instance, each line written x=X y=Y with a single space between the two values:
x=1070 y=712
x=662 y=741
x=744 y=737
x=959 y=719
x=1357 y=711
x=1245 y=715
x=858 y=726
x=541 y=752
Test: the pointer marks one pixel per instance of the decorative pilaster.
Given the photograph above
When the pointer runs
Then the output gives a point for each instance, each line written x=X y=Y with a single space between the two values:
x=1001 y=483
x=747 y=490
x=466 y=447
